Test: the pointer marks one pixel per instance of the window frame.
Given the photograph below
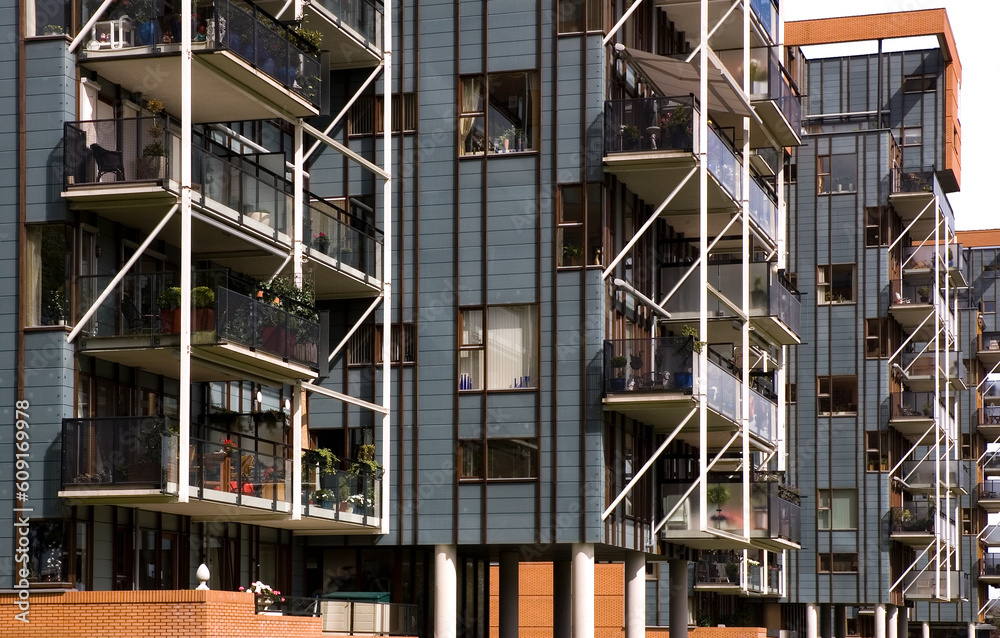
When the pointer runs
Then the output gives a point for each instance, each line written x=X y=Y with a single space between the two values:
x=832 y=511
x=834 y=393
x=493 y=136
x=529 y=381
x=827 y=174
x=485 y=462
x=828 y=559
x=825 y=275
x=588 y=8
x=588 y=229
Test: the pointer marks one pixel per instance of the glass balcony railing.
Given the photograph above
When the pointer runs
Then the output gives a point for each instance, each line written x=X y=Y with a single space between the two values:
x=727 y=568
x=991 y=464
x=664 y=364
x=723 y=164
x=990 y=341
x=916 y=181
x=774 y=577
x=783 y=92
x=343 y=492
x=990 y=415
x=342 y=236
x=923 y=585
x=920 y=474
x=364 y=17
x=134 y=452
x=904 y=293
x=724 y=391
x=241 y=28
x=762 y=416
x=770 y=296
x=911 y=405
x=916 y=518
x=650 y=124
x=774 y=508
x=990 y=565
x=988 y=490
x=991 y=389
x=923 y=257
x=916 y=364
x=145 y=309
x=763 y=210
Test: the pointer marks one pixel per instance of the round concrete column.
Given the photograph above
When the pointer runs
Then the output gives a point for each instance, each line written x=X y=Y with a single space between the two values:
x=678 y=598
x=583 y=590
x=445 y=591
x=903 y=620
x=508 y=594
x=812 y=620
x=880 y=621
x=892 y=622
x=635 y=595
x=925 y=630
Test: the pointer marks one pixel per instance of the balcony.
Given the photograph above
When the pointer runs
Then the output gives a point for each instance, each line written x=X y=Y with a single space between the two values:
x=910 y=304
x=991 y=465
x=774 y=514
x=919 y=477
x=232 y=333
x=774 y=310
x=656 y=382
x=924 y=585
x=764 y=210
x=135 y=461
x=913 y=197
x=649 y=144
x=912 y=414
x=987 y=420
x=920 y=262
x=344 y=244
x=918 y=370
x=249 y=65
x=729 y=572
x=765 y=12
x=774 y=96
x=988 y=496
x=914 y=524
x=352 y=29
x=990 y=537
x=989 y=569
x=989 y=349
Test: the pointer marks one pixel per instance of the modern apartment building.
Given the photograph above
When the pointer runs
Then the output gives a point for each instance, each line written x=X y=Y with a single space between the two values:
x=358 y=299
x=887 y=389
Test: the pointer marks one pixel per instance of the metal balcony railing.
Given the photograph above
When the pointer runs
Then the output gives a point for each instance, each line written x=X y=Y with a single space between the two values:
x=990 y=565
x=364 y=17
x=920 y=474
x=916 y=518
x=343 y=236
x=909 y=405
x=988 y=490
x=266 y=327
x=134 y=149
x=344 y=492
x=664 y=364
x=650 y=124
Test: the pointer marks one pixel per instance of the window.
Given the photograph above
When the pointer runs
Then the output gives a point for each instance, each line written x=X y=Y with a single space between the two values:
x=969 y=526
x=835 y=283
x=506 y=121
x=838 y=562
x=837 y=173
x=57 y=552
x=791 y=393
x=877 y=227
x=500 y=353
x=919 y=83
x=580 y=15
x=877 y=451
x=366 y=115
x=580 y=226
x=837 y=395
x=837 y=509
x=45 y=282
x=51 y=17
x=365 y=345
x=913 y=135
x=500 y=458
x=881 y=337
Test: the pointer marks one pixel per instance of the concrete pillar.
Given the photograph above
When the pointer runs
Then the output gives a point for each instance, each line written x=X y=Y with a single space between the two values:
x=892 y=622
x=972 y=630
x=562 y=599
x=445 y=591
x=583 y=590
x=812 y=620
x=840 y=621
x=925 y=630
x=903 y=620
x=678 y=598
x=509 y=594
x=880 y=621
x=635 y=595
x=825 y=626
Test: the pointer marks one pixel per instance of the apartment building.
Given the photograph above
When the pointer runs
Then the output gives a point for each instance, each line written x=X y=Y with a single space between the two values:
x=358 y=299
x=885 y=393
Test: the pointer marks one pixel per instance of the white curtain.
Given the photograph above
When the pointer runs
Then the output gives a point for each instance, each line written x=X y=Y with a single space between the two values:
x=510 y=347
x=472 y=102
x=33 y=277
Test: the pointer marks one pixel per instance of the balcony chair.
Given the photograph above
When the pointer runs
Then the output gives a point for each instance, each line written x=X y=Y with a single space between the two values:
x=134 y=321
x=108 y=162
x=247 y=462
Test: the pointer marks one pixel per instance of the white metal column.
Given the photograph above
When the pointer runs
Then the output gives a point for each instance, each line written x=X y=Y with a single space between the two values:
x=583 y=590
x=386 y=262
x=184 y=398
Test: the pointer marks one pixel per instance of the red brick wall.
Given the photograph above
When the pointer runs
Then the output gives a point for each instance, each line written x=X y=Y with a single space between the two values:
x=149 y=614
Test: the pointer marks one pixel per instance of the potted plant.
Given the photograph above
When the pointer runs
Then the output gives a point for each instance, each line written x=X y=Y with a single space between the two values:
x=153 y=163
x=617 y=383
x=273 y=483
x=571 y=255
x=324 y=497
x=321 y=243
x=264 y=595
x=169 y=302
x=927 y=409
x=203 y=300
x=717 y=495
x=630 y=137
x=694 y=345
x=675 y=129
x=503 y=139
x=924 y=292
x=321 y=458
x=52 y=29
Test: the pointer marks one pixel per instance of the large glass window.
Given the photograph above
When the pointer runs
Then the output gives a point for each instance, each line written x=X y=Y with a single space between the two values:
x=835 y=283
x=46 y=282
x=580 y=226
x=49 y=17
x=498 y=113
x=837 y=173
x=838 y=562
x=837 y=395
x=498 y=349
x=580 y=15
x=500 y=458
x=837 y=509
x=57 y=552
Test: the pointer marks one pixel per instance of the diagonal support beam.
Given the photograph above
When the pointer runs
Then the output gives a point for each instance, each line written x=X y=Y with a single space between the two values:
x=713 y=30
x=649 y=222
x=332 y=143
x=907 y=229
x=347 y=107
x=354 y=328
x=621 y=22
x=647 y=464
x=121 y=275
x=697 y=262
x=85 y=31
x=333 y=394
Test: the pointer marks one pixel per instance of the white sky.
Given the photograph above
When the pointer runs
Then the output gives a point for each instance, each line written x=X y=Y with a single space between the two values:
x=974 y=23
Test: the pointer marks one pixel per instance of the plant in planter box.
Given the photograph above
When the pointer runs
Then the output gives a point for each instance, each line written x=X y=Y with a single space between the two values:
x=169 y=302
x=571 y=254
x=324 y=497
x=203 y=301
x=617 y=383
x=322 y=458
x=153 y=163
x=630 y=137
x=296 y=303
x=675 y=129
x=321 y=243
x=924 y=292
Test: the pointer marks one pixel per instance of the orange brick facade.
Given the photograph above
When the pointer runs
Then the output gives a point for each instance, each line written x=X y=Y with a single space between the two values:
x=885 y=26
x=149 y=614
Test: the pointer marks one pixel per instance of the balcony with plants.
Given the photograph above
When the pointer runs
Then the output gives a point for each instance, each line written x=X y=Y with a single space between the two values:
x=351 y=29
x=915 y=524
x=987 y=421
x=775 y=522
x=923 y=369
x=270 y=327
x=773 y=94
x=913 y=414
x=913 y=194
x=911 y=302
x=775 y=308
x=924 y=476
x=239 y=47
x=341 y=490
x=345 y=243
